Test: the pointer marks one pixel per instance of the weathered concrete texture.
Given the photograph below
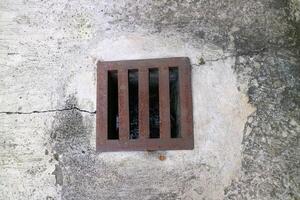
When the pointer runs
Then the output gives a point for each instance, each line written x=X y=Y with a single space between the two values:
x=245 y=79
x=271 y=149
x=270 y=166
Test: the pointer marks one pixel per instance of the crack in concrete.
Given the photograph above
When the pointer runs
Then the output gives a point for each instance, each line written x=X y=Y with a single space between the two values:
x=46 y=111
x=249 y=53
x=221 y=58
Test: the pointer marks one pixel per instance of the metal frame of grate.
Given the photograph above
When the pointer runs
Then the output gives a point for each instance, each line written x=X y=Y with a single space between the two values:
x=144 y=142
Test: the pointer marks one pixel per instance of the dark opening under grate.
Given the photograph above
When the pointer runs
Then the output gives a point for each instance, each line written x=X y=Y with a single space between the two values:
x=144 y=105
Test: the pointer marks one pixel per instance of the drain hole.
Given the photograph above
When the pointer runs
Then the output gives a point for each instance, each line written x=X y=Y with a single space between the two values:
x=174 y=102
x=133 y=79
x=112 y=110
x=153 y=103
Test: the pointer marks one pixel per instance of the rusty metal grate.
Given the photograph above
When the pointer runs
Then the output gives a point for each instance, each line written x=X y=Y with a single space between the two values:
x=144 y=105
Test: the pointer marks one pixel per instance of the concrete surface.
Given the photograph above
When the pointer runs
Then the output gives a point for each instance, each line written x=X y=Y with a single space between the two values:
x=245 y=81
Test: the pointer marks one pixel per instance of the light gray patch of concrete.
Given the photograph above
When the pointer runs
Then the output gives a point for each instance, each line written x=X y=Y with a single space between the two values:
x=184 y=174
x=25 y=170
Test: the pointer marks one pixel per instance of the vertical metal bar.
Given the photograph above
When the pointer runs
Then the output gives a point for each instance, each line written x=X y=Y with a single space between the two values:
x=101 y=120
x=185 y=92
x=143 y=103
x=123 y=104
x=164 y=102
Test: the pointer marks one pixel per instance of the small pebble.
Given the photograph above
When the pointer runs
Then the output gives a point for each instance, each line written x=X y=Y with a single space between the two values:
x=162 y=157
